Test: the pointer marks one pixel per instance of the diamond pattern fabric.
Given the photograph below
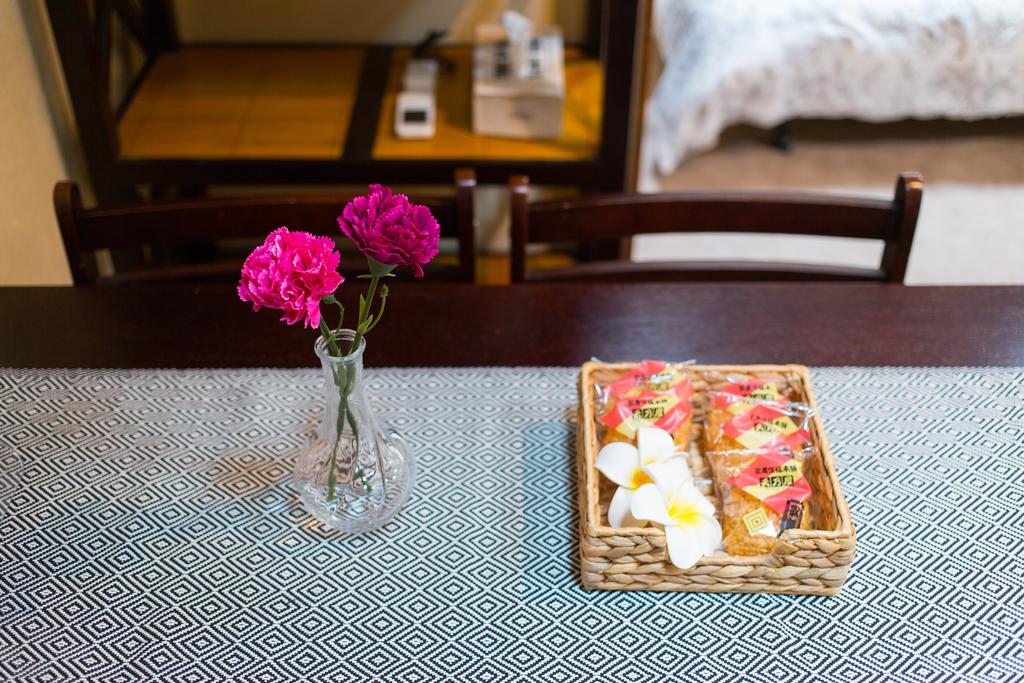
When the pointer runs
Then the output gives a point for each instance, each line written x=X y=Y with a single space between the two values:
x=151 y=533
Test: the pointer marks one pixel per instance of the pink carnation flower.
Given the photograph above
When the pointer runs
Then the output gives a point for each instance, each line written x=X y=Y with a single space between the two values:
x=391 y=230
x=291 y=272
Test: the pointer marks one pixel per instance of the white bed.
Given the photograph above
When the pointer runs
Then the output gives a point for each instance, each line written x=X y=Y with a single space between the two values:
x=763 y=63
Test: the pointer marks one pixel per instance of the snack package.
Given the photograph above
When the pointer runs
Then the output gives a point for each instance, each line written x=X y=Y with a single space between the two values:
x=762 y=387
x=652 y=394
x=737 y=422
x=763 y=493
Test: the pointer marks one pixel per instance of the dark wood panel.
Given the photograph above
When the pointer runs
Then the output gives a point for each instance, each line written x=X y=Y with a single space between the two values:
x=176 y=221
x=362 y=128
x=175 y=325
x=604 y=217
x=702 y=271
x=313 y=171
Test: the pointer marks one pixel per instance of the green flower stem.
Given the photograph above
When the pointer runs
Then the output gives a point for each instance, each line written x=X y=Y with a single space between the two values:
x=344 y=414
x=339 y=427
x=367 y=322
x=341 y=312
x=380 y=312
x=325 y=332
x=346 y=391
x=364 y=311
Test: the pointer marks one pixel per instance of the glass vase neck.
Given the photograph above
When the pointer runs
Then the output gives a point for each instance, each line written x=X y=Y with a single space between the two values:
x=343 y=339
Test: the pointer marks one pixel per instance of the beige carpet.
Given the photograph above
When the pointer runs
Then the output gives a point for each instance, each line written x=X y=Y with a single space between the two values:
x=971 y=227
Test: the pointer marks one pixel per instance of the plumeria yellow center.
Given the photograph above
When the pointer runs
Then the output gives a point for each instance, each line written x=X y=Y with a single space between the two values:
x=639 y=479
x=648 y=459
x=683 y=512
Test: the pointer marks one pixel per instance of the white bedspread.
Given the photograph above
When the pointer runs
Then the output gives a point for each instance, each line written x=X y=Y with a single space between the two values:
x=763 y=63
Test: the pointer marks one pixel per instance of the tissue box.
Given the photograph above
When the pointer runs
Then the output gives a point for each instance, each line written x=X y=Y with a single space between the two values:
x=518 y=87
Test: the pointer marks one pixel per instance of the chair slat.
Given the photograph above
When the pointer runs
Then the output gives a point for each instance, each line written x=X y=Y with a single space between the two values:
x=207 y=219
x=703 y=271
x=649 y=214
x=175 y=222
x=228 y=271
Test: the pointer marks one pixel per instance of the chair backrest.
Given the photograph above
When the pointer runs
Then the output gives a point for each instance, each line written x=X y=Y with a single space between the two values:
x=207 y=219
x=609 y=217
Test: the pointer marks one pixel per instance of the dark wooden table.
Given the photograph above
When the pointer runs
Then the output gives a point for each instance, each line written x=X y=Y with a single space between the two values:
x=542 y=324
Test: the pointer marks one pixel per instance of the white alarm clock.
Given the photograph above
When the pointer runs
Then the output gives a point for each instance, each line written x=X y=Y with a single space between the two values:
x=414 y=115
x=416 y=106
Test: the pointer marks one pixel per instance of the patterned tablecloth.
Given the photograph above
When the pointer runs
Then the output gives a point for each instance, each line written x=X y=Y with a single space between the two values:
x=155 y=535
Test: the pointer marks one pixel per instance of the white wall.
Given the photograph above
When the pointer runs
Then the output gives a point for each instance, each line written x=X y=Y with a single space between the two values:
x=32 y=124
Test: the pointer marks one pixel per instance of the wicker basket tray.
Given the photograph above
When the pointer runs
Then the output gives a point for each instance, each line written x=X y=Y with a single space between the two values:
x=806 y=562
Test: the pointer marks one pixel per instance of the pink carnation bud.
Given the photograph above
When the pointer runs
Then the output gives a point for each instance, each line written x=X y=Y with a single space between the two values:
x=388 y=228
x=291 y=272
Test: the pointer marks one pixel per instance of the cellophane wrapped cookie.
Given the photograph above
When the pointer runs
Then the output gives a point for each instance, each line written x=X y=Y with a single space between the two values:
x=652 y=394
x=763 y=492
x=767 y=386
x=739 y=422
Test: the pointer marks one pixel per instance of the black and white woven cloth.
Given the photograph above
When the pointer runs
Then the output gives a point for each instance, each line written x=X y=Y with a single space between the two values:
x=154 y=535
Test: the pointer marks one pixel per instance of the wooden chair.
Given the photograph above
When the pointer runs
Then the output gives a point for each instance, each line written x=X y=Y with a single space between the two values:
x=620 y=216
x=177 y=222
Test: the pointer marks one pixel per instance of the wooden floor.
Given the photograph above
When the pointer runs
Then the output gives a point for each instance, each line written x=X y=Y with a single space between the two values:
x=495 y=269
x=231 y=103
x=296 y=103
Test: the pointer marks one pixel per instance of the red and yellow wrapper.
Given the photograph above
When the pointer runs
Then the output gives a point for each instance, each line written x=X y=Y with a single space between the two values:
x=737 y=422
x=653 y=394
x=776 y=478
x=754 y=388
x=763 y=493
x=765 y=425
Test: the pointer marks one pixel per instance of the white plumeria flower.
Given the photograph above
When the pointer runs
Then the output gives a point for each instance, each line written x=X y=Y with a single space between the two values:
x=691 y=530
x=624 y=464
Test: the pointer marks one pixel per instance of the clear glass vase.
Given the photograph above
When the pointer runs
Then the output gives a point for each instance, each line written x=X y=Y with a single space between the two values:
x=353 y=476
